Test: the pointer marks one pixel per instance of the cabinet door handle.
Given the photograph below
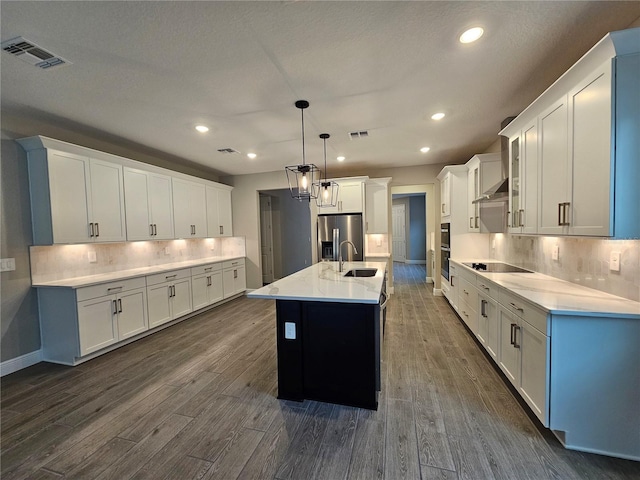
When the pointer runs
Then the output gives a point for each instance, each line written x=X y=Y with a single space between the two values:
x=451 y=281
x=208 y=281
x=97 y=229
x=155 y=229
x=465 y=292
x=512 y=340
x=560 y=215
x=119 y=305
x=515 y=336
x=442 y=208
x=151 y=229
x=516 y=307
x=208 y=269
x=167 y=277
x=470 y=222
x=476 y=222
x=482 y=285
x=483 y=312
x=235 y=274
x=221 y=229
x=115 y=307
x=91 y=234
x=111 y=289
x=520 y=217
x=565 y=213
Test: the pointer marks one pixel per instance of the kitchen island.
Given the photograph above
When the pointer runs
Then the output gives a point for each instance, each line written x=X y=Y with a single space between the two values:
x=329 y=331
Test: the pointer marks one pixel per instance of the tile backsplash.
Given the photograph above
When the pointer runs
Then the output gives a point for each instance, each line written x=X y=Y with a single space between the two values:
x=376 y=243
x=58 y=262
x=584 y=261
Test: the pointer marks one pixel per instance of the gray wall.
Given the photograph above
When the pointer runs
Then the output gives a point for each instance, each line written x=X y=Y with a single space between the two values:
x=19 y=310
x=417 y=228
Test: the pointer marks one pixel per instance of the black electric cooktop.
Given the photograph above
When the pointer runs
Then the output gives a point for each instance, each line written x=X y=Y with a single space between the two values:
x=496 y=267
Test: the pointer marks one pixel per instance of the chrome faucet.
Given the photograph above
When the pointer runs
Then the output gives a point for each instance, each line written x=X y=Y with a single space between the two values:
x=355 y=250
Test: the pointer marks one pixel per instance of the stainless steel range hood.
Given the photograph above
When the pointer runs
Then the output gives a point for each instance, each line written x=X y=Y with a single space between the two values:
x=497 y=193
x=500 y=191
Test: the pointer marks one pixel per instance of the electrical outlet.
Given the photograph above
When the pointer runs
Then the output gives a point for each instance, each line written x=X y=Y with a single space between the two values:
x=378 y=242
x=289 y=330
x=8 y=265
x=614 y=261
x=555 y=253
x=166 y=250
x=92 y=256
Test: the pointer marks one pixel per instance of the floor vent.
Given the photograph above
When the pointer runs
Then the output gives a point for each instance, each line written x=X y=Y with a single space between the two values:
x=360 y=134
x=228 y=150
x=33 y=54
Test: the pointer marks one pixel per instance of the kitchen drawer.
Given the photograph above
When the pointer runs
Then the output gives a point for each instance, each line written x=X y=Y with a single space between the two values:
x=233 y=263
x=469 y=314
x=110 y=288
x=531 y=314
x=490 y=289
x=208 y=268
x=467 y=274
x=169 y=276
x=468 y=293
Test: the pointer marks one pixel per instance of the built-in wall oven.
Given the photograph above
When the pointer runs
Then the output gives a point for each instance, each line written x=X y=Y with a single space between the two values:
x=445 y=248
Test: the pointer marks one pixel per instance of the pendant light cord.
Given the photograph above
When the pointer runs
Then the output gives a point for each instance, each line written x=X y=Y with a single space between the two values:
x=324 y=141
x=303 y=153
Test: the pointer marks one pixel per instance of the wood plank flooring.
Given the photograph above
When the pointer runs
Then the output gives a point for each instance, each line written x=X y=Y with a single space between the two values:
x=197 y=400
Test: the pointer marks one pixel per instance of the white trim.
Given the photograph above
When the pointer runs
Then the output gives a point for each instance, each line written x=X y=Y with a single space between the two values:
x=437 y=292
x=430 y=280
x=415 y=262
x=390 y=290
x=18 y=363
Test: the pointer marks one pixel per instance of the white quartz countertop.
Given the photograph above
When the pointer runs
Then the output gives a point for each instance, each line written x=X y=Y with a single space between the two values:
x=323 y=282
x=560 y=297
x=88 y=280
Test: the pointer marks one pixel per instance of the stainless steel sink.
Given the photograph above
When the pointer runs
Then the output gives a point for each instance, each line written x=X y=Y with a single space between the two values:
x=361 y=272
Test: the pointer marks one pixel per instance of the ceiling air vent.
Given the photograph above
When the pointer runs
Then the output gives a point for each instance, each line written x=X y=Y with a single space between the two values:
x=33 y=54
x=360 y=134
x=228 y=150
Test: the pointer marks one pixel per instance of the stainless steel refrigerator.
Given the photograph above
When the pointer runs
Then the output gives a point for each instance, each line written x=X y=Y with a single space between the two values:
x=349 y=227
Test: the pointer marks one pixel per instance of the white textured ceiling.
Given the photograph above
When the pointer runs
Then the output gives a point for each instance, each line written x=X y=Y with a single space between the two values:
x=147 y=72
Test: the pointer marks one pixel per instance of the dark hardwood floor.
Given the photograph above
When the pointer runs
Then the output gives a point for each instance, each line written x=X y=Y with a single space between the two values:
x=197 y=400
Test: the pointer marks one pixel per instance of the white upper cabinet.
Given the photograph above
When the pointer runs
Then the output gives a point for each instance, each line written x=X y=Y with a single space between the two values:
x=149 y=205
x=587 y=147
x=523 y=180
x=350 y=197
x=189 y=209
x=75 y=199
x=219 y=216
x=484 y=171
x=377 y=205
x=445 y=196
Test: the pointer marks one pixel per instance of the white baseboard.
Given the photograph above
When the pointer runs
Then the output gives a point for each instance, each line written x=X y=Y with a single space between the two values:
x=437 y=292
x=415 y=262
x=18 y=363
x=430 y=280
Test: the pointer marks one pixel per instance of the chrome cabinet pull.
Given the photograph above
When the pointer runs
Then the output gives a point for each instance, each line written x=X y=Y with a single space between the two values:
x=520 y=217
x=167 y=277
x=151 y=229
x=482 y=285
x=566 y=213
x=208 y=269
x=483 y=312
x=235 y=274
x=114 y=288
x=476 y=222
x=442 y=209
x=97 y=229
x=512 y=340
x=515 y=336
x=208 y=281
x=560 y=214
x=119 y=305
x=221 y=229
x=115 y=307
x=91 y=234
x=509 y=223
x=470 y=222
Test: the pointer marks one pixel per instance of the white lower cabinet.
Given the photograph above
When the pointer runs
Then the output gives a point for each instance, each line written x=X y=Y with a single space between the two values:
x=234 y=278
x=206 y=284
x=169 y=296
x=488 y=324
x=97 y=324
x=467 y=304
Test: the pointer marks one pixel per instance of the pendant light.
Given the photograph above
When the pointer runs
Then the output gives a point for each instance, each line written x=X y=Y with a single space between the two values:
x=302 y=177
x=326 y=192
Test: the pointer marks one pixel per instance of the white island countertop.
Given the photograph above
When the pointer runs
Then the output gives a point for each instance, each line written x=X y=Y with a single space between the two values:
x=560 y=297
x=323 y=282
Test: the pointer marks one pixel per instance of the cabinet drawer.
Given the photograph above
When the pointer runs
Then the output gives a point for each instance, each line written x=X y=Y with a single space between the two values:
x=210 y=267
x=233 y=263
x=468 y=293
x=110 y=288
x=467 y=274
x=533 y=315
x=169 y=276
x=490 y=289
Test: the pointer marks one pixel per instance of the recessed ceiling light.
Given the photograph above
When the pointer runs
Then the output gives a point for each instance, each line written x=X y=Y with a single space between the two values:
x=437 y=116
x=471 y=35
x=425 y=149
x=340 y=159
x=202 y=128
x=251 y=155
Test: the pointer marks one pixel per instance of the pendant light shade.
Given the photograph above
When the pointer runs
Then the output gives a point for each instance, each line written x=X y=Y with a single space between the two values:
x=325 y=191
x=302 y=177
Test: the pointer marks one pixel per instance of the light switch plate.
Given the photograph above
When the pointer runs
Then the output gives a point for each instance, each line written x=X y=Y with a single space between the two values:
x=92 y=256
x=555 y=252
x=7 y=265
x=289 y=330
x=614 y=261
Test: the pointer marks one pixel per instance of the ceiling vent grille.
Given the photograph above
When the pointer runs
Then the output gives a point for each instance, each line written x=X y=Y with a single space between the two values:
x=33 y=54
x=359 y=134
x=228 y=150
